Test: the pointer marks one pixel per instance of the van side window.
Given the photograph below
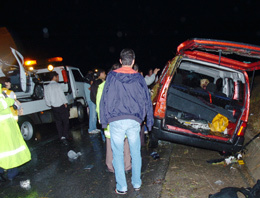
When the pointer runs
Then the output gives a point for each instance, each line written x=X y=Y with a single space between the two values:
x=219 y=84
x=229 y=87
x=239 y=92
x=77 y=75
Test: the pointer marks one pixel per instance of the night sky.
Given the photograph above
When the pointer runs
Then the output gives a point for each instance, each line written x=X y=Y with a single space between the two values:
x=90 y=34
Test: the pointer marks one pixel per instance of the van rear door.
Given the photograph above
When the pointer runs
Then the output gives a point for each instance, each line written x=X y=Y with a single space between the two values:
x=235 y=55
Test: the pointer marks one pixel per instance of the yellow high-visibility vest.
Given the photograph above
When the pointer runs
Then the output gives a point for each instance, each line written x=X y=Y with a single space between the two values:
x=13 y=149
x=12 y=95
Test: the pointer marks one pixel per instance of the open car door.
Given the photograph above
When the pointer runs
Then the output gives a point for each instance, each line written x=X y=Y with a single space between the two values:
x=20 y=60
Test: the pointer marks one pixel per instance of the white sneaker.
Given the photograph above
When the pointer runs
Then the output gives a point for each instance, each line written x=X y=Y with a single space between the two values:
x=94 y=131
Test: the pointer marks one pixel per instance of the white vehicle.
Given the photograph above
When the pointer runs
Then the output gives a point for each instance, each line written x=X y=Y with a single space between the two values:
x=29 y=89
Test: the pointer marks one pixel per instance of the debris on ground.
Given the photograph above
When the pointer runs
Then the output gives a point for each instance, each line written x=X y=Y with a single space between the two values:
x=26 y=184
x=227 y=161
x=234 y=192
x=88 y=167
x=73 y=155
x=219 y=182
x=155 y=155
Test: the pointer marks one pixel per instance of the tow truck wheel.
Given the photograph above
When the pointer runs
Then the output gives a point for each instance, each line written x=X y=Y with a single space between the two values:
x=81 y=112
x=27 y=128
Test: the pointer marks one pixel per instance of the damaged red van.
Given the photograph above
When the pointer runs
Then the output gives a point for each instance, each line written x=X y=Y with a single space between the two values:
x=202 y=96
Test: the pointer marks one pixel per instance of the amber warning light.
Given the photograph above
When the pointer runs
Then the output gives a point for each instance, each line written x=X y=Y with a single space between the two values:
x=55 y=59
x=30 y=62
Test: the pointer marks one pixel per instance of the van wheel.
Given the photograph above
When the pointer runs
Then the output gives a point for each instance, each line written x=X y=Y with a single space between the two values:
x=27 y=127
x=81 y=112
x=152 y=141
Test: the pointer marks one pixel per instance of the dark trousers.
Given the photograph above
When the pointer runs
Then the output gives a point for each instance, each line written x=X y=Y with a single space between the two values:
x=61 y=117
x=11 y=173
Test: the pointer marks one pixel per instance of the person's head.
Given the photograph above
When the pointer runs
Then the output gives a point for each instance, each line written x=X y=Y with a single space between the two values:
x=204 y=83
x=136 y=67
x=127 y=57
x=115 y=66
x=6 y=82
x=54 y=76
x=89 y=78
x=101 y=74
x=150 y=72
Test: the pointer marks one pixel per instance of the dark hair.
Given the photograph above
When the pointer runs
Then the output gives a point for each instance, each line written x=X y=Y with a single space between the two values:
x=89 y=77
x=3 y=80
x=127 y=56
x=100 y=71
x=136 y=67
x=115 y=66
x=52 y=74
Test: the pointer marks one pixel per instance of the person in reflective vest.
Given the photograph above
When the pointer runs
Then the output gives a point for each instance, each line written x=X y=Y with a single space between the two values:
x=6 y=86
x=13 y=149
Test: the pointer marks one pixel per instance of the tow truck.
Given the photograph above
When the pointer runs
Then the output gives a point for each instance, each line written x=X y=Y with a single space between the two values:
x=29 y=88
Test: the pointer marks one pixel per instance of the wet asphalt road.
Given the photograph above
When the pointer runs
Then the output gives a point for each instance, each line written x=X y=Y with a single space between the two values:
x=52 y=174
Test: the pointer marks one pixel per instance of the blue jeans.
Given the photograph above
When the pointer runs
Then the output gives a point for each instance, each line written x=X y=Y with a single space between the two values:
x=92 y=116
x=118 y=130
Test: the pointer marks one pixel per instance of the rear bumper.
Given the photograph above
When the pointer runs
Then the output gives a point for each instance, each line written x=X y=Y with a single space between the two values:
x=194 y=140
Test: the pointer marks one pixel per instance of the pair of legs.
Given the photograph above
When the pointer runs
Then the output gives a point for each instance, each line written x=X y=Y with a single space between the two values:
x=11 y=173
x=61 y=117
x=109 y=156
x=118 y=130
x=92 y=116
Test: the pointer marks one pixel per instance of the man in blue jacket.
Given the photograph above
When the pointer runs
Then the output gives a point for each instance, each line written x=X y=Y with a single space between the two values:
x=124 y=105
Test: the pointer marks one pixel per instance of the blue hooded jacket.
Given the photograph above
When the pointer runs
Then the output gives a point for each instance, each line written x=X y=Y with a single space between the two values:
x=125 y=96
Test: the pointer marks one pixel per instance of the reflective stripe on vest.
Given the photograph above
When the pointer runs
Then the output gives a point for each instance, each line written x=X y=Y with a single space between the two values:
x=10 y=153
x=4 y=117
x=16 y=118
x=107 y=133
x=3 y=103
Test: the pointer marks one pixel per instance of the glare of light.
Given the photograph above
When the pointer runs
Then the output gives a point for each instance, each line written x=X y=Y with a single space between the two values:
x=31 y=68
x=30 y=62
x=50 y=67
x=96 y=70
x=55 y=59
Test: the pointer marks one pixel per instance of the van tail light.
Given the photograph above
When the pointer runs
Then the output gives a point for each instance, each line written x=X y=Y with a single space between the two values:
x=241 y=131
x=159 y=111
x=65 y=76
x=160 y=108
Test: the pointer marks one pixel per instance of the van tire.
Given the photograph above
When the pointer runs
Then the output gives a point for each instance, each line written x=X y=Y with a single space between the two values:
x=152 y=141
x=27 y=127
x=81 y=112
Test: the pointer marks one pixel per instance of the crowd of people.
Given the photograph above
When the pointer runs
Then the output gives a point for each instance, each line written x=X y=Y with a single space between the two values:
x=119 y=107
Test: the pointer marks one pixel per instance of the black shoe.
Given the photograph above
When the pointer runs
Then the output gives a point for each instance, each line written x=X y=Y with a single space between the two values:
x=2 y=178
